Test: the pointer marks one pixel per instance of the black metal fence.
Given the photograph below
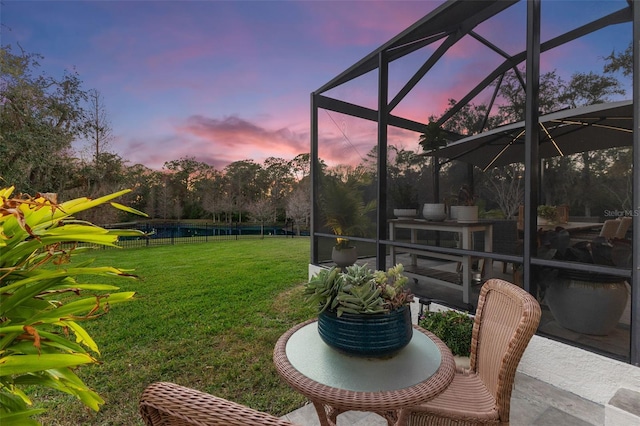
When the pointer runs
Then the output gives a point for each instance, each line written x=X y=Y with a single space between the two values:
x=157 y=233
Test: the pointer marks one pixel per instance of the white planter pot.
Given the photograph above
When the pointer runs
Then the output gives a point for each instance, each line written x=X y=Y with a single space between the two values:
x=467 y=214
x=405 y=213
x=434 y=212
x=453 y=212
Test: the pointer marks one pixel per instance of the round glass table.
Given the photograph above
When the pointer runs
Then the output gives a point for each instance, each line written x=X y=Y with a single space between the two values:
x=335 y=382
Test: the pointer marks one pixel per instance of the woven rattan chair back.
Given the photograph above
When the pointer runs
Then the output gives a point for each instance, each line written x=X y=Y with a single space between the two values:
x=625 y=224
x=609 y=228
x=506 y=319
x=520 y=217
x=169 y=404
x=563 y=213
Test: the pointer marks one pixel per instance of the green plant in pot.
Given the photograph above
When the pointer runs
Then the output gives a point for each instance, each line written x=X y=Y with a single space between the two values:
x=361 y=311
x=452 y=327
x=44 y=298
x=586 y=302
x=467 y=211
x=405 y=198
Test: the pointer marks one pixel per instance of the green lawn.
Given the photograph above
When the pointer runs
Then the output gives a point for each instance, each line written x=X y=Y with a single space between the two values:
x=205 y=316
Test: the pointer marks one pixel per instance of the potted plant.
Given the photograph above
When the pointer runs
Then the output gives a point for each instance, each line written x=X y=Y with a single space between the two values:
x=467 y=211
x=547 y=214
x=454 y=328
x=345 y=214
x=405 y=199
x=434 y=138
x=402 y=184
x=361 y=311
x=586 y=302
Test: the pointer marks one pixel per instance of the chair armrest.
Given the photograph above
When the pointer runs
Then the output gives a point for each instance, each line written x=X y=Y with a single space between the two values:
x=164 y=403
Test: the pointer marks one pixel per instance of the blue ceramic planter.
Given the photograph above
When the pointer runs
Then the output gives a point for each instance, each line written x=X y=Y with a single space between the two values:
x=367 y=335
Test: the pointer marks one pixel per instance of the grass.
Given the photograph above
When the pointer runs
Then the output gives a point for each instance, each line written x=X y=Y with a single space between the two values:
x=205 y=316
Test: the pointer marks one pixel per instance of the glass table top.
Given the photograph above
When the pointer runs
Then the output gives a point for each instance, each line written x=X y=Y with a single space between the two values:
x=415 y=363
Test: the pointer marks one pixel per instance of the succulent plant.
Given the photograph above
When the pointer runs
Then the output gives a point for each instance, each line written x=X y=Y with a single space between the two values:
x=358 y=290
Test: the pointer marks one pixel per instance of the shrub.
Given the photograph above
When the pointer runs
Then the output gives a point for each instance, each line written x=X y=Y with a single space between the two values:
x=43 y=298
x=452 y=327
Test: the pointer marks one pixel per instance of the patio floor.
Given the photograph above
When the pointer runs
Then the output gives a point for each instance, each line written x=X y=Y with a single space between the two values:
x=533 y=402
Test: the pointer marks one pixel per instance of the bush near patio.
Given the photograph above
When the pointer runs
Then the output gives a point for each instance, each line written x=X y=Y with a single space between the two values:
x=42 y=300
x=452 y=327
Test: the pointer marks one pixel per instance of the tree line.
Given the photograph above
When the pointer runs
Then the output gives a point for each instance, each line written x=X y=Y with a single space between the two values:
x=41 y=116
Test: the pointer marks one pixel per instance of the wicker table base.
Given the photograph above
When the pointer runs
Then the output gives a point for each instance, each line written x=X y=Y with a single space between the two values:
x=336 y=383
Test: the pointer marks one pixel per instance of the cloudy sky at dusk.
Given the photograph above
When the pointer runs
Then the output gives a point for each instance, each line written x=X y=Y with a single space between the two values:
x=230 y=80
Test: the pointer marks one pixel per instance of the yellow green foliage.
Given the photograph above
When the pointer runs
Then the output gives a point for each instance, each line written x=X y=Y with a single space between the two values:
x=43 y=300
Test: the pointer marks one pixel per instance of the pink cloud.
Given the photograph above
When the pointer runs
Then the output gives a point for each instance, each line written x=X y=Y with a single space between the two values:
x=231 y=138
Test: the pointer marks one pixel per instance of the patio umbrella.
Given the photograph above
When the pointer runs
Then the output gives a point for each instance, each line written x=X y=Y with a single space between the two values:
x=564 y=132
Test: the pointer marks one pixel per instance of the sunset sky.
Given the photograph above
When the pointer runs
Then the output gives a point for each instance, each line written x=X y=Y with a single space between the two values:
x=231 y=80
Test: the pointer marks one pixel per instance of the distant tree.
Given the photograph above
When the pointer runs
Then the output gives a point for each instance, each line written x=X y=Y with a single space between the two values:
x=301 y=166
x=245 y=180
x=138 y=178
x=555 y=94
x=514 y=96
x=622 y=61
x=185 y=174
x=153 y=184
x=261 y=211
x=588 y=89
x=471 y=119
x=279 y=178
x=403 y=173
x=506 y=184
x=211 y=189
x=97 y=129
x=618 y=181
x=299 y=204
x=39 y=118
x=108 y=175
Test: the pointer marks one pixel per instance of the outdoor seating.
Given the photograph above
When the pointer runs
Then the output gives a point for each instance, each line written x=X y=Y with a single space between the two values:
x=506 y=240
x=169 y=404
x=610 y=228
x=625 y=224
x=563 y=213
x=506 y=319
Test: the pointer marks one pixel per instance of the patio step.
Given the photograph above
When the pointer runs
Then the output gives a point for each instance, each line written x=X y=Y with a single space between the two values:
x=623 y=408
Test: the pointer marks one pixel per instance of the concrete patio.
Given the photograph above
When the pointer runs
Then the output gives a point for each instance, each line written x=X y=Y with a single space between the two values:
x=533 y=402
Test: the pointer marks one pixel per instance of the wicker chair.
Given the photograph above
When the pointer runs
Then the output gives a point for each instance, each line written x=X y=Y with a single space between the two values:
x=169 y=404
x=610 y=228
x=506 y=318
x=625 y=224
x=563 y=213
